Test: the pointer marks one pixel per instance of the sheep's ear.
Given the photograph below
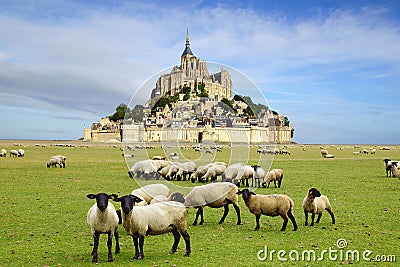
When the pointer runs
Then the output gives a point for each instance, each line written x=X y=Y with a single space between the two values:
x=91 y=196
x=137 y=199
x=252 y=193
x=116 y=198
x=119 y=216
x=113 y=196
x=238 y=184
x=239 y=192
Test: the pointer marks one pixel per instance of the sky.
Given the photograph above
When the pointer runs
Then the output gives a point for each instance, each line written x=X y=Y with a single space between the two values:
x=331 y=67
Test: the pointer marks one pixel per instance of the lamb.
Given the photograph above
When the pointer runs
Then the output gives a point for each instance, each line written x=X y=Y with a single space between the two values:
x=155 y=219
x=273 y=175
x=148 y=192
x=215 y=195
x=395 y=171
x=13 y=153
x=270 y=205
x=315 y=203
x=102 y=218
x=3 y=153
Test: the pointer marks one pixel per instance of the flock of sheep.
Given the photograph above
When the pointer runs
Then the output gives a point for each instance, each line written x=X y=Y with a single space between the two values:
x=13 y=153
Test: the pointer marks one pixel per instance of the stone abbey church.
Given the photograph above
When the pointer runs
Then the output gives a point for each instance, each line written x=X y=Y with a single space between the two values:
x=191 y=73
x=193 y=118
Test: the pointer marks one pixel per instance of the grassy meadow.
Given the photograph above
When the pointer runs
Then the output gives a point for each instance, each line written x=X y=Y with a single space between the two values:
x=44 y=211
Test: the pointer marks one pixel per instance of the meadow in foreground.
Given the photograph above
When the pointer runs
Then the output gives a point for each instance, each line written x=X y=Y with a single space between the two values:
x=44 y=212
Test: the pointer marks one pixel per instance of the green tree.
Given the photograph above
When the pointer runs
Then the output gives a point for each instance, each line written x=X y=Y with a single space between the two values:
x=137 y=113
x=120 y=112
x=202 y=88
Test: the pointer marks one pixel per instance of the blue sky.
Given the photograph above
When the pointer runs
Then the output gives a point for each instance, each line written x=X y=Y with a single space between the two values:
x=332 y=67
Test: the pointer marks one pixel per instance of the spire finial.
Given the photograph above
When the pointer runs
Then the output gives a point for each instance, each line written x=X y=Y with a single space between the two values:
x=187 y=36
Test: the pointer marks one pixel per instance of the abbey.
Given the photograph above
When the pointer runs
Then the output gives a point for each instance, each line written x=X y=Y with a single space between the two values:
x=193 y=73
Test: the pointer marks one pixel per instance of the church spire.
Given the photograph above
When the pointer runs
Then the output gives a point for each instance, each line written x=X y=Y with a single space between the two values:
x=187 y=50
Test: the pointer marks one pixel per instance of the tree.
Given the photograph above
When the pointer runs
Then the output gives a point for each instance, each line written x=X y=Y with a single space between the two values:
x=137 y=113
x=120 y=112
x=203 y=92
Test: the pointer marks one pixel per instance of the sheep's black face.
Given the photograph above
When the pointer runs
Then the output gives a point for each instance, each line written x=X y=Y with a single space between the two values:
x=101 y=200
x=314 y=192
x=245 y=194
x=131 y=174
x=127 y=202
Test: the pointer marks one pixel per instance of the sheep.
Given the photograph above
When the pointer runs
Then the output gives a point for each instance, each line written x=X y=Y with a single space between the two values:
x=13 y=153
x=62 y=158
x=285 y=152
x=388 y=166
x=232 y=171
x=364 y=151
x=202 y=170
x=270 y=205
x=329 y=156
x=21 y=152
x=215 y=195
x=315 y=203
x=213 y=171
x=176 y=196
x=244 y=174
x=324 y=152
x=395 y=171
x=3 y=153
x=102 y=218
x=259 y=174
x=186 y=168
x=155 y=219
x=146 y=168
x=373 y=151
x=273 y=175
x=148 y=192
x=53 y=162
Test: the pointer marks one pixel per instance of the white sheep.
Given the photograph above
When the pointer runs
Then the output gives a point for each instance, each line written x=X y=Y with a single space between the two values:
x=148 y=192
x=259 y=174
x=186 y=168
x=3 y=153
x=213 y=171
x=21 y=152
x=155 y=219
x=176 y=196
x=13 y=153
x=215 y=195
x=388 y=166
x=270 y=205
x=62 y=158
x=53 y=162
x=395 y=171
x=102 y=218
x=146 y=168
x=315 y=203
x=324 y=152
x=274 y=175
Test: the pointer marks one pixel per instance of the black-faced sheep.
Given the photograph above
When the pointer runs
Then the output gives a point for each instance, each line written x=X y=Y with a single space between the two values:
x=102 y=218
x=53 y=162
x=155 y=219
x=21 y=152
x=215 y=195
x=3 y=153
x=270 y=205
x=274 y=175
x=388 y=166
x=315 y=203
x=259 y=175
x=13 y=153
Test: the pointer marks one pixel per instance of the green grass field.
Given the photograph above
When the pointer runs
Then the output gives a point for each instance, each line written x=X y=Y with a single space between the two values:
x=44 y=212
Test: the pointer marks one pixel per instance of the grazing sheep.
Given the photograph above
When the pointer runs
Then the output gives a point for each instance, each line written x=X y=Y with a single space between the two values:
x=21 y=152
x=395 y=171
x=315 y=203
x=284 y=152
x=273 y=175
x=158 y=158
x=146 y=168
x=215 y=195
x=364 y=151
x=53 y=162
x=13 y=153
x=213 y=171
x=155 y=219
x=62 y=158
x=3 y=153
x=102 y=218
x=329 y=156
x=176 y=196
x=270 y=205
x=148 y=192
x=324 y=152
x=186 y=168
x=373 y=151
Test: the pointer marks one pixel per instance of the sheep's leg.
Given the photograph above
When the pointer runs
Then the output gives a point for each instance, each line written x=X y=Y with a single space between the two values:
x=312 y=219
x=117 y=249
x=136 y=243
x=257 y=222
x=239 y=222
x=275 y=183
x=186 y=237
x=201 y=214
x=319 y=218
x=199 y=210
x=177 y=237
x=226 y=210
x=332 y=216
x=141 y=242
x=109 y=246
x=285 y=221
x=306 y=216
x=279 y=183
x=268 y=184
x=291 y=217
x=96 y=237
